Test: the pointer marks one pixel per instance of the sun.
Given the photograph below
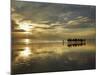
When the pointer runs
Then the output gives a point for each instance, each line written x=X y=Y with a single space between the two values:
x=25 y=26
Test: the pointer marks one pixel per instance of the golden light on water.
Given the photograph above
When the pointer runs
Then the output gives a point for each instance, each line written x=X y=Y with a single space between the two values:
x=27 y=41
x=26 y=52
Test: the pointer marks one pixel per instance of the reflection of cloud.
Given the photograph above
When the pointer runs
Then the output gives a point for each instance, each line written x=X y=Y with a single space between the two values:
x=53 y=50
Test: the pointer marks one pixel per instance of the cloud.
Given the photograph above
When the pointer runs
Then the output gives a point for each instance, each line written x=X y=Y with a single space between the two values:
x=80 y=22
x=55 y=21
x=38 y=12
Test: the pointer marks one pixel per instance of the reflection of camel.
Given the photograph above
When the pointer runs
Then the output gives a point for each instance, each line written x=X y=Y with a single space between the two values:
x=75 y=42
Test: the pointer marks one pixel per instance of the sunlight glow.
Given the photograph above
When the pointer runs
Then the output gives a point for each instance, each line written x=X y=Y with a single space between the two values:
x=25 y=26
x=27 y=41
x=26 y=52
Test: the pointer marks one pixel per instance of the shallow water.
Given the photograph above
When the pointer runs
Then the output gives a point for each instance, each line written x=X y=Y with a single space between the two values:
x=51 y=56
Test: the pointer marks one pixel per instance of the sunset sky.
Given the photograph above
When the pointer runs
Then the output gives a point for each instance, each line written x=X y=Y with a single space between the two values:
x=53 y=21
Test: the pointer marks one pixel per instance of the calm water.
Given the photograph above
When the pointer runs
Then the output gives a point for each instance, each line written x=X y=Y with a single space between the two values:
x=35 y=56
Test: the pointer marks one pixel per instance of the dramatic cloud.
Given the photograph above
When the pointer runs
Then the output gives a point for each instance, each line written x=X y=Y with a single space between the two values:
x=54 y=21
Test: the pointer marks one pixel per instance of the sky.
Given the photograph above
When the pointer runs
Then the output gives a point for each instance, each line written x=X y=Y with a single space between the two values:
x=50 y=21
